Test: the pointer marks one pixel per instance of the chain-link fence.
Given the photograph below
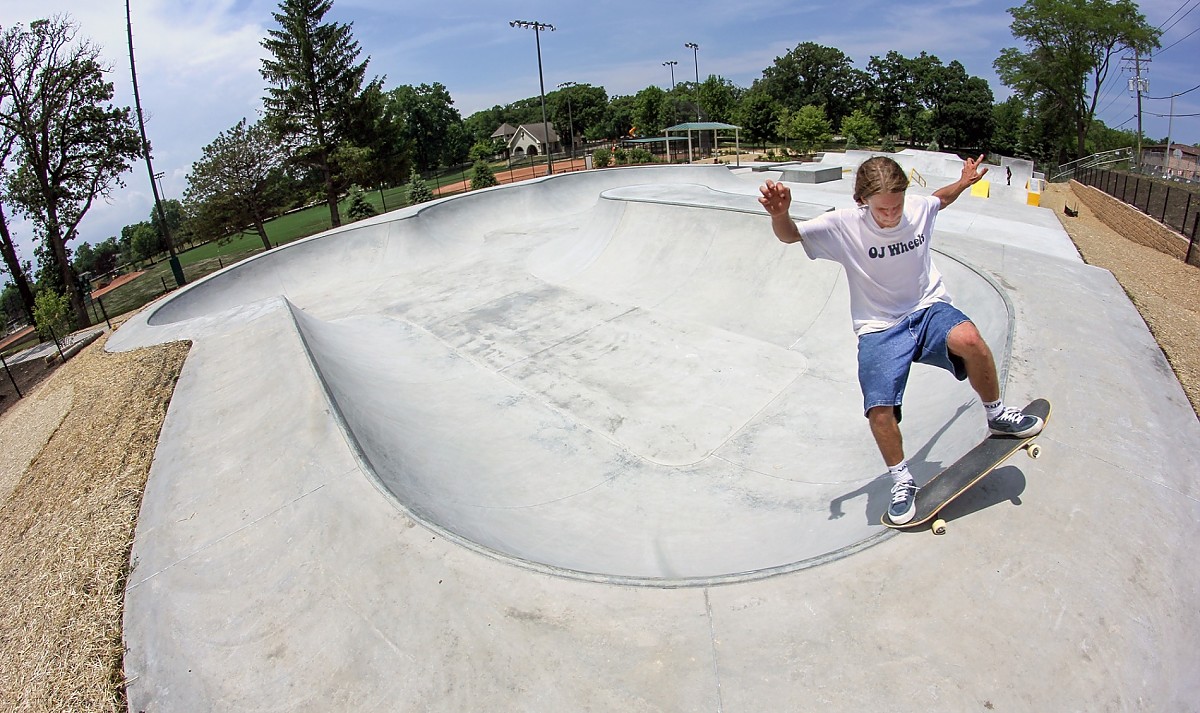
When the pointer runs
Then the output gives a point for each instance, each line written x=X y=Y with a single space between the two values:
x=1174 y=206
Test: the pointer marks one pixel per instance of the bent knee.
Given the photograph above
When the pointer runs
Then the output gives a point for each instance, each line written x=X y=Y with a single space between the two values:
x=965 y=340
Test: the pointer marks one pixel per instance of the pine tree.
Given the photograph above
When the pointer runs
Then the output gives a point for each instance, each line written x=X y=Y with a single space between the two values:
x=358 y=207
x=418 y=189
x=317 y=83
x=482 y=176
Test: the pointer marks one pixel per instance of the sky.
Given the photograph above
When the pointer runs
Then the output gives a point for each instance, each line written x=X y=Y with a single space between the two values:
x=198 y=61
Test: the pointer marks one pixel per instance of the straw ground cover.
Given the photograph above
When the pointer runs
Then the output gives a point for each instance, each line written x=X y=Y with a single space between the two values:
x=72 y=469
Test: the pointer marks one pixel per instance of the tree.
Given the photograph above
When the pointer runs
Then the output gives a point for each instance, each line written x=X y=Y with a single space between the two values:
x=20 y=282
x=418 y=189
x=809 y=126
x=1008 y=127
x=430 y=124
x=173 y=212
x=575 y=107
x=617 y=121
x=652 y=111
x=237 y=182
x=316 y=92
x=1070 y=46
x=860 y=126
x=72 y=144
x=757 y=114
x=52 y=314
x=98 y=260
x=482 y=176
x=961 y=106
x=381 y=154
x=812 y=74
x=144 y=241
x=719 y=98
x=359 y=207
x=8 y=248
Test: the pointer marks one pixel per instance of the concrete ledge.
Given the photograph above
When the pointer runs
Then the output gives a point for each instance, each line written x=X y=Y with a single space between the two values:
x=812 y=173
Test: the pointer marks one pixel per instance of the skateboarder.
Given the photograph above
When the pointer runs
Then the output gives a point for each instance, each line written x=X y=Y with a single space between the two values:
x=900 y=308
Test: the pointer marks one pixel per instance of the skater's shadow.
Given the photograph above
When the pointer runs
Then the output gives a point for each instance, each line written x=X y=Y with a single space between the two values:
x=879 y=490
x=1005 y=483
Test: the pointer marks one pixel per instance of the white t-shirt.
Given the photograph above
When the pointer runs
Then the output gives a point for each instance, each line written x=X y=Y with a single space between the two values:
x=890 y=270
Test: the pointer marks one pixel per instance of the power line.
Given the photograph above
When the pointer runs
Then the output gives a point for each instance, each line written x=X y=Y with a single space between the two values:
x=1175 y=13
x=1173 y=24
x=1181 y=39
x=1172 y=96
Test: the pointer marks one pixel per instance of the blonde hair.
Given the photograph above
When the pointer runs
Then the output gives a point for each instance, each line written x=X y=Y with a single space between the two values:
x=878 y=174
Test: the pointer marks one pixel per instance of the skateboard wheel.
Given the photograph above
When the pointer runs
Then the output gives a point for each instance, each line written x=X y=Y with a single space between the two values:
x=939 y=526
x=1034 y=450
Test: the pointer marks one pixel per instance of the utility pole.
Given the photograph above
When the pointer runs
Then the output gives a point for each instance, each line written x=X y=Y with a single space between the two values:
x=1139 y=85
x=176 y=267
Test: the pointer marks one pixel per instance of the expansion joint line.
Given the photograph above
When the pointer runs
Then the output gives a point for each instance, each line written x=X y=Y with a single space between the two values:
x=712 y=635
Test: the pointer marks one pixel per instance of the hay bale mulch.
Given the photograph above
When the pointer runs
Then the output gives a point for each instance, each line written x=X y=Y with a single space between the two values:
x=75 y=457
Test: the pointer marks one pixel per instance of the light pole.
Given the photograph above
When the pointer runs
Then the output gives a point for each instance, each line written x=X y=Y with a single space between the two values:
x=570 y=120
x=695 y=48
x=537 y=28
x=176 y=266
x=674 y=102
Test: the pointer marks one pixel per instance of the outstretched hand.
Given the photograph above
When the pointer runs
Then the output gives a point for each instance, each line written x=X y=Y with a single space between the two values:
x=776 y=198
x=970 y=172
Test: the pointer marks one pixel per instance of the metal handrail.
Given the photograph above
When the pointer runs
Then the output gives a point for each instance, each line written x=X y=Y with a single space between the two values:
x=1103 y=158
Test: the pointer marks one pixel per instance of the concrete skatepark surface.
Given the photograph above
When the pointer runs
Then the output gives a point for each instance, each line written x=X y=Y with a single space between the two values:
x=580 y=444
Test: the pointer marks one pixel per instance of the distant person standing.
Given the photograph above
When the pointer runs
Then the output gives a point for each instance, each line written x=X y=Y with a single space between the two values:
x=1008 y=174
x=900 y=308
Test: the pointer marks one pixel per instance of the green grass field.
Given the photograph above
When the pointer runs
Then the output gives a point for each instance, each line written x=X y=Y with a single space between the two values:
x=210 y=257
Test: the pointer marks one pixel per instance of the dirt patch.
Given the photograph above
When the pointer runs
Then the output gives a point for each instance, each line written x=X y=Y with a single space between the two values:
x=68 y=505
x=27 y=375
x=1163 y=288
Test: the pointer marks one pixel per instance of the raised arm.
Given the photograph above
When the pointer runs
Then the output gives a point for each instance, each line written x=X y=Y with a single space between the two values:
x=777 y=198
x=970 y=176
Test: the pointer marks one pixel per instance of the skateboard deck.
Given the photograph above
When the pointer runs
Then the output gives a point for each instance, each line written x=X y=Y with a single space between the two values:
x=946 y=486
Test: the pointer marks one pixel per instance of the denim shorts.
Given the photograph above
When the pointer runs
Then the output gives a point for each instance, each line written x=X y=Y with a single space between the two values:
x=885 y=358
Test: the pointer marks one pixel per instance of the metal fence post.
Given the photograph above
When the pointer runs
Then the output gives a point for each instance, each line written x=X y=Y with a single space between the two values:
x=10 y=377
x=1187 y=208
x=1191 y=243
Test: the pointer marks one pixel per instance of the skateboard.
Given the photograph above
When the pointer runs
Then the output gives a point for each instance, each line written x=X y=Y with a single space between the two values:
x=968 y=470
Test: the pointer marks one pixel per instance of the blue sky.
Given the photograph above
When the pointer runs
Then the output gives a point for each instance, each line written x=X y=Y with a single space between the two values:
x=198 y=61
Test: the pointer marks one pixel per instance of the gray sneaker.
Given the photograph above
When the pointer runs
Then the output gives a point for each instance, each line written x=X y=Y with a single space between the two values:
x=1013 y=422
x=904 y=502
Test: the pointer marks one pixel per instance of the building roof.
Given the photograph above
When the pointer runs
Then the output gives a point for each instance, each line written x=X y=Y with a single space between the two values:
x=701 y=126
x=506 y=130
x=538 y=133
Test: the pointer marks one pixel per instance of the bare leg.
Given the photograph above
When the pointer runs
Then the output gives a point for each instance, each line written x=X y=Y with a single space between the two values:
x=965 y=342
x=887 y=434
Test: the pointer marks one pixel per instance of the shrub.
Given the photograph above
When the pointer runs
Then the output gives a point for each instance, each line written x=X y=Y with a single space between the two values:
x=640 y=155
x=52 y=312
x=601 y=158
x=482 y=176
x=418 y=189
x=358 y=207
x=621 y=156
